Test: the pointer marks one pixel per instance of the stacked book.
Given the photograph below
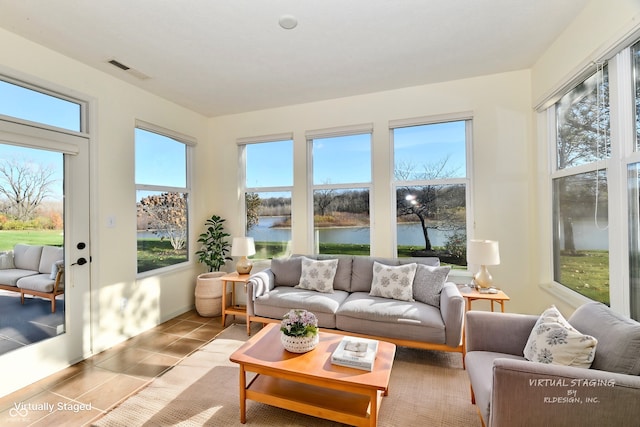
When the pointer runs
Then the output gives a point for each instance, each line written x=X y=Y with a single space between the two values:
x=355 y=352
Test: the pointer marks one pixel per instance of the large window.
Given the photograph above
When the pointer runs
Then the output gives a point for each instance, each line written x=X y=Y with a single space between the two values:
x=431 y=186
x=341 y=186
x=162 y=197
x=268 y=186
x=580 y=190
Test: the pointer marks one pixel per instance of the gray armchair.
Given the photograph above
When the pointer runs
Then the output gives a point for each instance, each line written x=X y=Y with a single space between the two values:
x=512 y=391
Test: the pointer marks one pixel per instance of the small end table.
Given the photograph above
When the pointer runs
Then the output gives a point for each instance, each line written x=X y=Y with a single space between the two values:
x=234 y=309
x=471 y=294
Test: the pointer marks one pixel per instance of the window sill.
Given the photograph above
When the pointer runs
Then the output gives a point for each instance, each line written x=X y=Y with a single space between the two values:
x=565 y=294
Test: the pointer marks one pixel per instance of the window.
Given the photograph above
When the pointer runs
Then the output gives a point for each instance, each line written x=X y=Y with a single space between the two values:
x=162 y=197
x=268 y=187
x=19 y=101
x=580 y=188
x=341 y=186
x=431 y=187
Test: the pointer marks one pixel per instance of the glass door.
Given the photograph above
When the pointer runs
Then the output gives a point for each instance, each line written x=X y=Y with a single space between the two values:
x=44 y=213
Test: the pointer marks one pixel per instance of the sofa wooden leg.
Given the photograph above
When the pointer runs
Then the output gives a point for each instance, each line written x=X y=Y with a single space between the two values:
x=53 y=304
x=22 y=298
x=473 y=396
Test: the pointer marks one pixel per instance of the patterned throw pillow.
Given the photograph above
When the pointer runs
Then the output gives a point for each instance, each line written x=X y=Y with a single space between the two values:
x=428 y=283
x=553 y=340
x=318 y=275
x=394 y=282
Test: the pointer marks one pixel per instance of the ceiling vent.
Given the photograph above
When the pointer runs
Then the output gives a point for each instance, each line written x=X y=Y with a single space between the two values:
x=129 y=70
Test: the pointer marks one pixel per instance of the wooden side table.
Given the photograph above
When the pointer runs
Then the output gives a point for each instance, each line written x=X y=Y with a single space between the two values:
x=233 y=308
x=471 y=294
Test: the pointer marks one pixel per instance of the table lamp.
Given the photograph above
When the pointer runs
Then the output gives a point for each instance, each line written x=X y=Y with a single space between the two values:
x=483 y=253
x=243 y=247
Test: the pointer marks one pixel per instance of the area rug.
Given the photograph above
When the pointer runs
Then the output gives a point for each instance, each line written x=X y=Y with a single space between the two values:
x=427 y=388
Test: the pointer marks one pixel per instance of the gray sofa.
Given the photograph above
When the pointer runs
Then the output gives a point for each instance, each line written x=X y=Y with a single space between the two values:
x=33 y=270
x=350 y=307
x=512 y=391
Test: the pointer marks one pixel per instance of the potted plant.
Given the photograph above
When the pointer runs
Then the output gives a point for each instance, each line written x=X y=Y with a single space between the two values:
x=213 y=254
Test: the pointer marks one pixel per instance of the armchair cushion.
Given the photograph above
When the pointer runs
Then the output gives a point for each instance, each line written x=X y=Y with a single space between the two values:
x=618 y=338
x=553 y=340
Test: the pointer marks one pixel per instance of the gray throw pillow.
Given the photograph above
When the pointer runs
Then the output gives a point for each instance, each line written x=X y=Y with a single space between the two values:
x=395 y=282
x=428 y=283
x=318 y=275
x=286 y=271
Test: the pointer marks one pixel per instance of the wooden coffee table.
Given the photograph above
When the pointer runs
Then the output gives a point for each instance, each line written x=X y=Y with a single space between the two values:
x=309 y=383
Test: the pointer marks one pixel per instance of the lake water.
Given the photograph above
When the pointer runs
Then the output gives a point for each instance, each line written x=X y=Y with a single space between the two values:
x=408 y=234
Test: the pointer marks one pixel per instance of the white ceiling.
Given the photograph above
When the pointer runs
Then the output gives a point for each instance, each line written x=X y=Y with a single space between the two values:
x=228 y=56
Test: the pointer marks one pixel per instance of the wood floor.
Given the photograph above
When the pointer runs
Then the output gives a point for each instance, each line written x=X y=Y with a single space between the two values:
x=83 y=392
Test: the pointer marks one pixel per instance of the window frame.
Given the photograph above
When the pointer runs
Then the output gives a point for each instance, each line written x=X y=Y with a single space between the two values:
x=189 y=143
x=242 y=144
x=339 y=131
x=467 y=118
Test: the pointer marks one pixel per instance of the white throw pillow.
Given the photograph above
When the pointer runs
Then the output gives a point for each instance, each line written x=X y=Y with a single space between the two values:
x=394 y=282
x=553 y=340
x=318 y=275
x=428 y=283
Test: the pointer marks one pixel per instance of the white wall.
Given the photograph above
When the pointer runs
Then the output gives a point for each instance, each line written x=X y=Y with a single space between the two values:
x=502 y=162
x=115 y=106
x=598 y=32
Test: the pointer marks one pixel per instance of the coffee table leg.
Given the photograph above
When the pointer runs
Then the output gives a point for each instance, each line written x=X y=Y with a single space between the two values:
x=373 y=416
x=243 y=395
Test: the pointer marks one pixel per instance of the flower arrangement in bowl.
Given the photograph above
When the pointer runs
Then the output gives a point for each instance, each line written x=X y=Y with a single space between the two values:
x=299 y=331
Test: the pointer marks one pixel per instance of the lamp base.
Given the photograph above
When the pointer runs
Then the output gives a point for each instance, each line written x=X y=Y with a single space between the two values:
x=244 y=265
x=483 y=277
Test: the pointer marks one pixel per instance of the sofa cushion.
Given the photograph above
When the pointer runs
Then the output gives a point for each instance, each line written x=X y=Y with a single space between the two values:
x=11 y=276
x=618 y=338
x=50 y=255
x=286 y=271
x=428 y=283
x=342 y=280
x=384 y=317
x=553 y=340
x=27 y=257
x=394 y=282
x=318 y=275
x=37 y=282
x=275 y=303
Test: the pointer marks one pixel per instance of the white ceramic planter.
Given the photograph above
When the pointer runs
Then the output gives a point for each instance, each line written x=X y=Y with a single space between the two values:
x=209 y=294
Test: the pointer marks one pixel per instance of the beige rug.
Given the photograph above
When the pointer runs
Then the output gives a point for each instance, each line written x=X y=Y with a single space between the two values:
x=428 y=388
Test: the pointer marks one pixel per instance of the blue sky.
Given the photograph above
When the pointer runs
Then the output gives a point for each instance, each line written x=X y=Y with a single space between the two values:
x=337 y=160
x=347 y=159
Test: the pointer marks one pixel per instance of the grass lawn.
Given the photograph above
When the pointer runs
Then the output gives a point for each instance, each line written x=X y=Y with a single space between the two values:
x=587 y=273
x=156 y=253
x=8 y=238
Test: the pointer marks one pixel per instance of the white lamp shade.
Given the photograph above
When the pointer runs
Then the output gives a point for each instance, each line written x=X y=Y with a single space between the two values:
x=483 y=252
x=243 y=246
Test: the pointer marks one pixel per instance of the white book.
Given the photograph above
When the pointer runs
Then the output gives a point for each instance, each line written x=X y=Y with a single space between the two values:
x=356 y=352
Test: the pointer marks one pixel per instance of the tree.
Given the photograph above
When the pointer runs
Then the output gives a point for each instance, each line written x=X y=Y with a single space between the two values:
x=25 y=185
x=323 y=199
x=166 y=216
x=436 y=206
x=252 y=203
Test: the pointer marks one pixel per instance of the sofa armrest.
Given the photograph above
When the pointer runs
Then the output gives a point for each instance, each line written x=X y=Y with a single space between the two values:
x=498 y=332
x=524 y=391
x=452 y=311
x=259 y=284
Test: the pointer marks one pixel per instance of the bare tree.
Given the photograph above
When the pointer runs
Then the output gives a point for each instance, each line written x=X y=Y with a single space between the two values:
x=323 y=199
x=25 y=185
x=166 y=214
x=435 y=206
